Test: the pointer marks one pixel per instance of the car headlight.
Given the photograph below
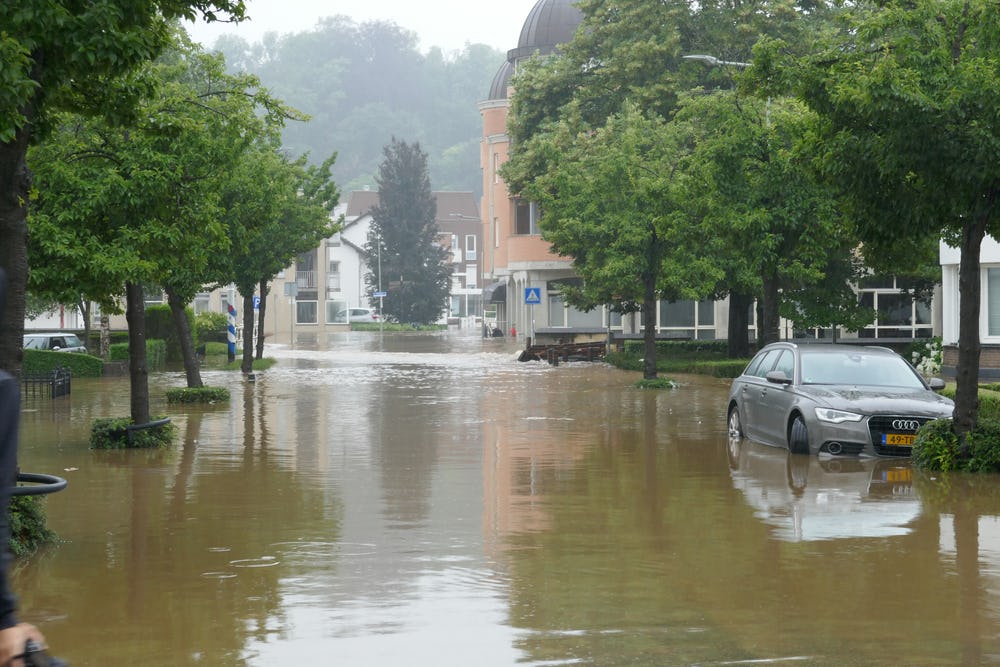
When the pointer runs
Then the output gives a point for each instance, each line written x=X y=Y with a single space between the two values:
x=837 y=416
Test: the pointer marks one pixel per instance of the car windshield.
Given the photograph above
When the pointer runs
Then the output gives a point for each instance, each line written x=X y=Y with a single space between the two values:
x=851 y=367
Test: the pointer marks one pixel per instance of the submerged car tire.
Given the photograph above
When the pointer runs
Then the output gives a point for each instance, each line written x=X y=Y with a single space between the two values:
x=798 y=436
x=735 y=426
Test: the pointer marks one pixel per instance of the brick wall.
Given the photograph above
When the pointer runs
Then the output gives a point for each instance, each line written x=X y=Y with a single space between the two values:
x=989 y=361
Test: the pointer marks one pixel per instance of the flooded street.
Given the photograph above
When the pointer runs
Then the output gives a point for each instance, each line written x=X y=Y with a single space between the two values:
x=425 y=500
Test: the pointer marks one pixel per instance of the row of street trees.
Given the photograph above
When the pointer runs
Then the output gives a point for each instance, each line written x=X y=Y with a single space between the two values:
x=858 y=136
x=186 y=187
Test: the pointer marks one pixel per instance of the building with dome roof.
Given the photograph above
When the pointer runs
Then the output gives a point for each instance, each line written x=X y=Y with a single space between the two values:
x=516 y=258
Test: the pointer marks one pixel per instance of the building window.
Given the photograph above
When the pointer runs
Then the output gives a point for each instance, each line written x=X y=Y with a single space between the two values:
x=525 y=217
x=152 y=295
x=201 y=302
x=897 y=313
x=496 y=232
x=333 y=276
x=694 y=320
x=305 y=312
x=470 y=247
x=993 y=302
x=470 y=276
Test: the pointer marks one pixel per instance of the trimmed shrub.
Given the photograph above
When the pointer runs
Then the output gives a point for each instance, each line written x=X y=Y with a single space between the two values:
x=658 y=383
x=210 y=327
x=936 y=446
x=110 y=433
x=197 y=395
x=28 y=529
x=46 y=361
x=984 y=446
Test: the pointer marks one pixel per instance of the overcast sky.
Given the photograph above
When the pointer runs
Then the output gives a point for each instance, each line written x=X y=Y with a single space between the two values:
x=449 y=24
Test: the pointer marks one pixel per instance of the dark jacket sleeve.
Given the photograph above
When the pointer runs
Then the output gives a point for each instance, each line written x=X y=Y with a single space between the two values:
x=10 y=412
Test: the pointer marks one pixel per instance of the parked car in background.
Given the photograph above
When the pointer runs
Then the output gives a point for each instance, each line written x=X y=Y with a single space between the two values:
x=358 y=315
x=834 y=399
x=58 y=341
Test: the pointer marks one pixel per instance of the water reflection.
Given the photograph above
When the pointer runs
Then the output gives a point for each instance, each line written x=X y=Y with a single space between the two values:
x=807 y=498
x=426 y=500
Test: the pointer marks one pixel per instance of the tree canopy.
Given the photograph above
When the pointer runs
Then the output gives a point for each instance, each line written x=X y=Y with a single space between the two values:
x=906 y=94
x=405 y=255
x=63 y=55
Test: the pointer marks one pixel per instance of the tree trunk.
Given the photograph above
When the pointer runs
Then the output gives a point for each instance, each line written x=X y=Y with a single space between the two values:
x=247 y=364
x=967 y=370
x=105 y=336
x=649 y=328
x=260 y=319
x=183 y=326
x=769 y=325
x=15 y=183
x=739 y=321
x=138 y=371
x=85 y=310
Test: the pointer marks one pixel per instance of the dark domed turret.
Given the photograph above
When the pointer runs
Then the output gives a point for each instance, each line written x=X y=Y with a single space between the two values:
x=498 y=89
x=549 y=23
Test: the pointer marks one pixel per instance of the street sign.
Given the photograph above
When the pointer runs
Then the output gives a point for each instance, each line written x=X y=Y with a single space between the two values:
x=256 y=303
x=379 y=295
x=532 y=295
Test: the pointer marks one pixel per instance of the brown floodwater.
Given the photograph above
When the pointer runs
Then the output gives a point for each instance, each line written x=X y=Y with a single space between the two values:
x=426 y=500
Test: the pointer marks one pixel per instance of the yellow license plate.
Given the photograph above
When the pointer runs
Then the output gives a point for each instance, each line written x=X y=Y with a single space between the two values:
x=897 y=476
x=898 y=439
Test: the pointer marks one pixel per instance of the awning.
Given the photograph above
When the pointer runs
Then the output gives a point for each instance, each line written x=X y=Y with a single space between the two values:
x=495 y=293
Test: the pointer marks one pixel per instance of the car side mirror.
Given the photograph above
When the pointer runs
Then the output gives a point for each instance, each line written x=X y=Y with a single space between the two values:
x=937 y=384
x=778 y=377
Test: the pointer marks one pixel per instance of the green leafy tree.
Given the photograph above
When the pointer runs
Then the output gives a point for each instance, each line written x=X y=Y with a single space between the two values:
x=612 y=200
x=146 y=192
x=274 y=208
x=403 y=240
x=65 y=55
x=906 y=96
x=775 y=230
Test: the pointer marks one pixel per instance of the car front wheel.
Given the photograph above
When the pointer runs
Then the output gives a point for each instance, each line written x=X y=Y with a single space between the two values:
x=798 y=436
x=735 y=427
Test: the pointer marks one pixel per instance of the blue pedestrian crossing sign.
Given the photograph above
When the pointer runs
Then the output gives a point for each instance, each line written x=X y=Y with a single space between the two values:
x=532 y=295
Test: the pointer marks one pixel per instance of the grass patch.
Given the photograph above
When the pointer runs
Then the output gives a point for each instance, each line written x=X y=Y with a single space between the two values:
x=110 y=433
x=197 y=395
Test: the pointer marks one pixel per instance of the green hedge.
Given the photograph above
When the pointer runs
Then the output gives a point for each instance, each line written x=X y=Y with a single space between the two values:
x=45 y=361
x=211 y=327
x=197 y=395
x=28 y=528
x=156 y=353
x=109 y=433
x=690 y=349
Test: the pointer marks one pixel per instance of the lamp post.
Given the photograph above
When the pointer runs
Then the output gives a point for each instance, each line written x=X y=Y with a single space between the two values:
x=712 y=61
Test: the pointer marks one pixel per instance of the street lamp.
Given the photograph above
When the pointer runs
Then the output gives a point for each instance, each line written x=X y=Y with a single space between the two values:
x=712 y=61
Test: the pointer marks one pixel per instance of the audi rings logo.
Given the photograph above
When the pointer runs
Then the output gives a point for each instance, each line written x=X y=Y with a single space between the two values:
x=905 y=424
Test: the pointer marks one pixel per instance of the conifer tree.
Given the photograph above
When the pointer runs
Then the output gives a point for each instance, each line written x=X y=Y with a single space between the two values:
x=405 y=257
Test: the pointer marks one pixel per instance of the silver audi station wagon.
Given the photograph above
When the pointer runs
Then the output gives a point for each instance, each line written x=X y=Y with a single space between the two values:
x=832 y=399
